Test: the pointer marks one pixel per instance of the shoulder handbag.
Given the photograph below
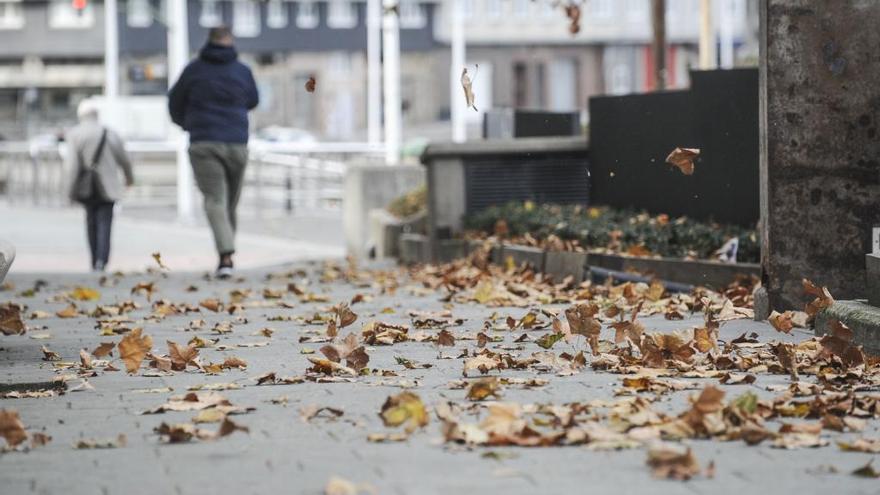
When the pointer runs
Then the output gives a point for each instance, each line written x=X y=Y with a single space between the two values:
x=87 y=185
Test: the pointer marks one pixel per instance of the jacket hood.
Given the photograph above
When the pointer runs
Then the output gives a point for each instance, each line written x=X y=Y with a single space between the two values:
x=218 y=54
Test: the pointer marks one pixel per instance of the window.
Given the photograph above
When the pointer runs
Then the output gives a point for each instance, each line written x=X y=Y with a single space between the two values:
x=306 y=15
x=493 y=8
x=11 y=14
x=245 y=18
x=210 y=15
x=341 y=14
x=412 y=14
x=468 y=8
x=521 y=8
x=637 y=10
x=603 y=8
x=62 y=15
x=140 y=14
x=276 y=14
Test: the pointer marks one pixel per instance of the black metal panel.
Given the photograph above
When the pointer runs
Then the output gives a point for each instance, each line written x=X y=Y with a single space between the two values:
x=630 y=137
x=561 y=179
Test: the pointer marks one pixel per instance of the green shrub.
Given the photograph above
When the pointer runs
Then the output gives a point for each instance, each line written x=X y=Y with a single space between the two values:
x=597 y=227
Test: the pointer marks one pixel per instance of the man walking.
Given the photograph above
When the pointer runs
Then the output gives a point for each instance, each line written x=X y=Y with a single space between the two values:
x=211 y=100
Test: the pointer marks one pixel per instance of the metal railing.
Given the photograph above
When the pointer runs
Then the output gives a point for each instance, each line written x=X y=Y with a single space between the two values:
x=280 y=178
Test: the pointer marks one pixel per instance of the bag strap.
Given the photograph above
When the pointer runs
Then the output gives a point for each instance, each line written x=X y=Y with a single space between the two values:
x=100 y=149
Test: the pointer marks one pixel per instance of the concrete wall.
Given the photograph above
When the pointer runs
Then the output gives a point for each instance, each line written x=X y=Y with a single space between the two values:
x=820 y=175
x=368 y=187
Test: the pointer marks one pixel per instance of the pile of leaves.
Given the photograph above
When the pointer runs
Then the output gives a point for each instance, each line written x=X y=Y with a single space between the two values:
x=410 y=204
x=611 y=230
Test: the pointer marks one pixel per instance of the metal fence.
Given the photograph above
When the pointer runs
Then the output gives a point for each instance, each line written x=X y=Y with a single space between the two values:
x=280 y=178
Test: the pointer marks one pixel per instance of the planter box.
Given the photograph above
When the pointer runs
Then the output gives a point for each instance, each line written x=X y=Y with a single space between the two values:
x=533 y=257
x=711 y=274
x=561 y=264
x=494 y=250
x=413 y=249
x=450 y=250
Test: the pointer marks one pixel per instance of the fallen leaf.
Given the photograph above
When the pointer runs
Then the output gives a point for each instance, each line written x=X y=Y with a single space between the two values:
x=11 y=427
x=672 y=462
x=406 y=409
x=85 y=294
x=10 y=320
x=181 y=356
x=781 y=321
x=133 y=348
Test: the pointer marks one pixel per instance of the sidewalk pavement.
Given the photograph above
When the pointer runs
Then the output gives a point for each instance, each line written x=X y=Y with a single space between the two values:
x=52 y=240
x=283 y=453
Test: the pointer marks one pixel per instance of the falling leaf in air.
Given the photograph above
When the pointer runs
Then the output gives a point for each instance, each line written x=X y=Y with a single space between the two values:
x=133 y=348
x=158 y=257
x=10 y=320
x=310 y=84
x=467 y=85
x=573 y=12
x=11 y=427
x=683 y=158
x=406 y=409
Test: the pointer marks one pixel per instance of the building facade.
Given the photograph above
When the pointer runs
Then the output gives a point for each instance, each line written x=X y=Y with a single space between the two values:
x=51 y=55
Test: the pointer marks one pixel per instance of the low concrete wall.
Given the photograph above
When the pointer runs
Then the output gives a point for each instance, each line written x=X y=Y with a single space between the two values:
x=371 y=186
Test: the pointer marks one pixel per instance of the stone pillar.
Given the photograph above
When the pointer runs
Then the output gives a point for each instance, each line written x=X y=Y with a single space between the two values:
x=820 y=149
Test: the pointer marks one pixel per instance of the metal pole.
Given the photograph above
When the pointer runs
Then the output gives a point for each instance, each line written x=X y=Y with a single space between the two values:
x=111 y=50
x=178 y=56
x=726 y=18
x=658 y=20
x=708 y=57
x=374 y=71
x=391 y=84
x=457 y=105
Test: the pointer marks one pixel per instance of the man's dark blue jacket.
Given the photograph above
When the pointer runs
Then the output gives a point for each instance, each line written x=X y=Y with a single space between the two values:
x=213 y=95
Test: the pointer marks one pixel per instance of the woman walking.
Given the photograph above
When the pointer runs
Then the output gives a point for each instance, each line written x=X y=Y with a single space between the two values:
x=98 y=156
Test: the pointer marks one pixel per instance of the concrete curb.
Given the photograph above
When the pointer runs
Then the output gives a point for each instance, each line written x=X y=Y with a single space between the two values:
x=862 y=318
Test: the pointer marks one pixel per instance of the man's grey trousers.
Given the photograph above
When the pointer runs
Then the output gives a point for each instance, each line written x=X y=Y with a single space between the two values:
x=219 y=172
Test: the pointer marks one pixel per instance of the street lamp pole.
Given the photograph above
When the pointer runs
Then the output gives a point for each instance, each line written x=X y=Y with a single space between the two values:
x=391 y=83
x=111 y=50
x=457 y=104
x=178 y=56
x=374 y=71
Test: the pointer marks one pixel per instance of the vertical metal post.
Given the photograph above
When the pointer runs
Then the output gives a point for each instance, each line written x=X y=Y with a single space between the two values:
x=111 y=50
x=457 y=105
x=288 y=190
x=178 y=56
x=391 y=83
x=708 y=56
x=726 y=30
x=374 y=71
x=658 y=20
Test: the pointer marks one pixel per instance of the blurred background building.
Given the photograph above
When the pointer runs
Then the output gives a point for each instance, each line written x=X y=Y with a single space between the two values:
x=52 y=52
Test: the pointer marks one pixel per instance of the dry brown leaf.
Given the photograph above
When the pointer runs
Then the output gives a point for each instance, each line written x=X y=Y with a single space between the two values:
x=673 y=462
x=467 y=85
x=11 y=427
x=181 y=356
x=405 y=408
x=683 y=158
x=10 y=320
x=104 y=349
x=133 y=348
x=445 y=338
x=311 y=84
x=782 y=322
